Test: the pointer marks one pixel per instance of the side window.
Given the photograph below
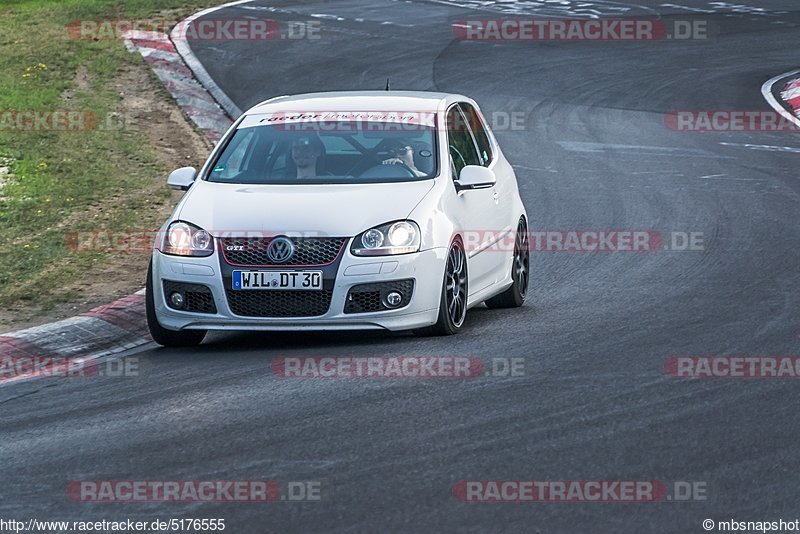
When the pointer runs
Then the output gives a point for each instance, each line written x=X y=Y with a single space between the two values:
x=479 y=131
x=459 y=140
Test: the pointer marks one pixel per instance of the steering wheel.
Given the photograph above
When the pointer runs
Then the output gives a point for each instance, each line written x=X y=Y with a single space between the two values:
x=369 y=154
x=388 y=171
x=377 y=149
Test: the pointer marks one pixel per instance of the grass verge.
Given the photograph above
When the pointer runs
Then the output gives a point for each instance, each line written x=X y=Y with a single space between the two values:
x=106 y=175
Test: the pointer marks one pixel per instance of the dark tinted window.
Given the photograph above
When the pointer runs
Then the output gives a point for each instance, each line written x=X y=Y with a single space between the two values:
x=479 y=131
x=459 y=140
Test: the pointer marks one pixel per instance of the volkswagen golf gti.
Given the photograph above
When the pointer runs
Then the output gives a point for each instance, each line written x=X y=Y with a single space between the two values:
x=340 y=211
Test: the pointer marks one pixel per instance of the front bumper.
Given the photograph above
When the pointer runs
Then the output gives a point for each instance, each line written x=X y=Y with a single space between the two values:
x=426 y=268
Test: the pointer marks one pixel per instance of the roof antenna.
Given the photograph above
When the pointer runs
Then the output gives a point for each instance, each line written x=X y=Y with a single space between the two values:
x=387 y=84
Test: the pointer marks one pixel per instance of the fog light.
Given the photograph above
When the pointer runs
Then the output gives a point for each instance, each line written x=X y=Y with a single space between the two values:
x=394 y=299
x=177 y=301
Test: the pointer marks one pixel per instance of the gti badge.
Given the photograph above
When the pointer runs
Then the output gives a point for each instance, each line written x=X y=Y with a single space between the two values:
x=280 y=250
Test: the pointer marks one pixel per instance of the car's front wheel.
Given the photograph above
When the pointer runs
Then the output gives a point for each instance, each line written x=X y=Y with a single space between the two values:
x=453 y=300
x=161 y=335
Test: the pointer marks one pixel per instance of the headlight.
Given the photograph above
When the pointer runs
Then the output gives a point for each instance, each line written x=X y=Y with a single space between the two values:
x=184 y=239
x=401 y=237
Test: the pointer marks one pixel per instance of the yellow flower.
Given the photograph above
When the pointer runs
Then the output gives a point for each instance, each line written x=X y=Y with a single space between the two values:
x=26 y=75
x=42 y=165
x=42 y=66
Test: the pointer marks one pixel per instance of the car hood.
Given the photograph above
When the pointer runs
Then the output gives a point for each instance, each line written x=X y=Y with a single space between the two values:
x=341 y=210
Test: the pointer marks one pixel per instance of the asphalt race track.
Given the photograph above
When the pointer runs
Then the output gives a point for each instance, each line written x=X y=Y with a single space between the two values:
x=595 y=402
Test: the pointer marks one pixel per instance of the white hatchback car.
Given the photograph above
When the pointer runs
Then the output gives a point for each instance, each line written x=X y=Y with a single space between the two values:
x=341 y=211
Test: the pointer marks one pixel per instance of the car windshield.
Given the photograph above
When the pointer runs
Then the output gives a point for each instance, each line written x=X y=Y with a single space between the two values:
x=316 y=148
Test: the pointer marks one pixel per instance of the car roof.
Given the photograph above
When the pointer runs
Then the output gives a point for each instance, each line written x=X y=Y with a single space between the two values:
x=419 y=101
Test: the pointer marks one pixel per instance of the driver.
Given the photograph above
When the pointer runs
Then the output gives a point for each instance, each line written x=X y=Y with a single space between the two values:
x=305 y=153
x=402 y=154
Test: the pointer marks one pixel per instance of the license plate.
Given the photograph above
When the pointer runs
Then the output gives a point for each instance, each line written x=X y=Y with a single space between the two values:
x=295 y=280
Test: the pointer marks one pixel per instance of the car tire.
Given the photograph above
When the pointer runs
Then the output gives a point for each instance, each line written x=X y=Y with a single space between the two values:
x=514 y=296
x=161 y=335
x=453 y=299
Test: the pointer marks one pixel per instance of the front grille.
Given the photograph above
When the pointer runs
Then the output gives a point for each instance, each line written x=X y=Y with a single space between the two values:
x=272 y=303
x=316 y=251
x=370 y=297
x=197 y=298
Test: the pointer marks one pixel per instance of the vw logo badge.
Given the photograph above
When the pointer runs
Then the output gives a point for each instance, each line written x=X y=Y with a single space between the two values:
x=280 y=250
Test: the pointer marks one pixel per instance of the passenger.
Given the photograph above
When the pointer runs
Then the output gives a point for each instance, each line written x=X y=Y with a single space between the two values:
x=305 y=153
x=402 y=154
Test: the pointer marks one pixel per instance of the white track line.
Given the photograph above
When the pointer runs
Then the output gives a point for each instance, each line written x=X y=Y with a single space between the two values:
x=178 y=37
x=766 y=90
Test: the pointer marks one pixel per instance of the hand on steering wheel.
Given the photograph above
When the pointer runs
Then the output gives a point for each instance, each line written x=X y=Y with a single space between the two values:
x=401 y=163
x=406 y=166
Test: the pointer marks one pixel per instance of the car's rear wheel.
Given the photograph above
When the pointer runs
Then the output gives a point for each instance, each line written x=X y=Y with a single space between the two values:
x=514 y=296
x=453 y=300
x=161 y=335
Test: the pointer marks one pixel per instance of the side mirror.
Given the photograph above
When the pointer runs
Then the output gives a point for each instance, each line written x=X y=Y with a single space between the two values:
x=182 y=178
x=475 y=177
